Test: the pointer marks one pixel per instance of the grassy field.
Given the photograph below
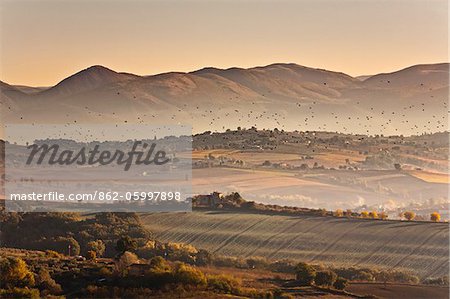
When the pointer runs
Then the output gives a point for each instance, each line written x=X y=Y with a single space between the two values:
x=419 y=247
x=431 y=177
x=331 y=158
x=329 y=189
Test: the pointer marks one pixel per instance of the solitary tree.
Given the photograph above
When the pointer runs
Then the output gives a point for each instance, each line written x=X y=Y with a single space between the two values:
x=436 y=217
x=409 y=215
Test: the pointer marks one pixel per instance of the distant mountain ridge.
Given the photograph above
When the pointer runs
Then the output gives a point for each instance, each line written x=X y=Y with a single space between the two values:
x=276 y=95
x=98 y=73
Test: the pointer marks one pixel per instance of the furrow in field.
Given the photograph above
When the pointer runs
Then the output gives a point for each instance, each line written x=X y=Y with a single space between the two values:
x=300 y=240
x=232 y=238
x=266 y=243
x=414 y=246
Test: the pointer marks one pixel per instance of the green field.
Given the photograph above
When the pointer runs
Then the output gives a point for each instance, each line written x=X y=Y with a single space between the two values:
x=420 y=247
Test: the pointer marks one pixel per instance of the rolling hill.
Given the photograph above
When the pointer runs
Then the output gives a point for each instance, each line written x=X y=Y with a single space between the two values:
x=86 y=80
x=418 y=247
x=287 y=96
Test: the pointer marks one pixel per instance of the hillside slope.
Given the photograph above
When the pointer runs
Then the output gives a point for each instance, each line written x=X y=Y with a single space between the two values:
x=414 y=246
x=286 y=96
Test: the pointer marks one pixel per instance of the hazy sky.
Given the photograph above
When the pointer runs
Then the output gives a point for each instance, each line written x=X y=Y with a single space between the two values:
x=43 y=42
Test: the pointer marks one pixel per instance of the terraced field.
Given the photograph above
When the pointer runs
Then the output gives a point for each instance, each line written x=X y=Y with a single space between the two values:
x=420 y=247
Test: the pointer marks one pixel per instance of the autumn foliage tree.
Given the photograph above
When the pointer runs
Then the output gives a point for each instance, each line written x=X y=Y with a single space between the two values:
x=14 y=272
x=338 y=213
x=383 y=215
x=436 y=217
x=373 y=215
x=47 y=283
x=91 y=255
x=409 y=215
x=98 y=246
x=365 y=214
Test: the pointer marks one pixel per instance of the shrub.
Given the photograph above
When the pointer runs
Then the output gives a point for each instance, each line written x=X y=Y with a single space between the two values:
x=340 y=283
x=383 y=215
x=437 y=280
x=97 y=246
x=46 y=282
x=283 y=266
x=325 y=278
x=203 y=257
x=359 y=274
x=148 y=250
x=53 y=254
x=97 y=291
x=181 y=252
x=224 y=284
x=398 y=276
x=304 y=274
x=91 y=255
x=436 y=217
x=23 y=293
x=160 y=274
x=186 y=274
x=126 y=259
x=14 y=272
x=257 y=263
x=62 y=245
x=124 y=244
x=157 y=263
x=364 y=276
x=105 y=271
x=223 y=261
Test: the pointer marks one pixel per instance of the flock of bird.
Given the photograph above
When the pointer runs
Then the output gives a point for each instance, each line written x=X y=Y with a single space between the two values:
x=304 y=115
